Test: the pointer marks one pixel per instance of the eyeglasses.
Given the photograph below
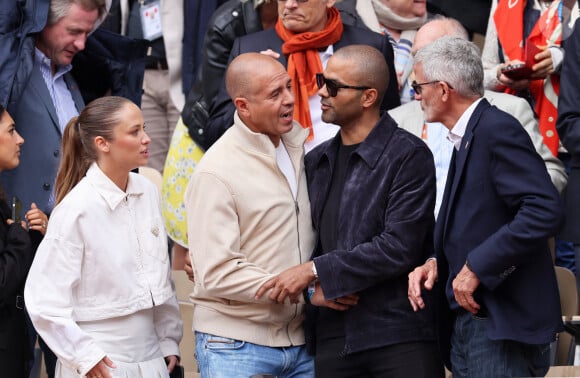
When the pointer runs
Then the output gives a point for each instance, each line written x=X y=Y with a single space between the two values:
x=298 y=1
x=332 y=86
x=417 y=86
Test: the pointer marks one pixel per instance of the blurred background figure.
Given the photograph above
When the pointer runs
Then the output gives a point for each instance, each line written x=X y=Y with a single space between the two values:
x=569 y=132
x=18 y=237
x=399 y=20
x=468 y=13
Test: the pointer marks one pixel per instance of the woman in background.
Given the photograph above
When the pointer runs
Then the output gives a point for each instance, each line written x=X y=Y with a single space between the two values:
x=16 y=254
x=111 y=311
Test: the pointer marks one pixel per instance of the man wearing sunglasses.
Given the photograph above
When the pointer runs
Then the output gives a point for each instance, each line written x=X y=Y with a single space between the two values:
x=307 y=33
x=410 y=116
x=498 y=297
x=372 y=191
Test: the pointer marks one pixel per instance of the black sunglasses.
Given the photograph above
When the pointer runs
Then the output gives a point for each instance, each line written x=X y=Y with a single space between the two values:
x=332 y=86
x=417 y=86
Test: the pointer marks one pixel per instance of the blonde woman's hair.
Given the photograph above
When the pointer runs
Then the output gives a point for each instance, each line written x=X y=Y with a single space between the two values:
x=98 y=118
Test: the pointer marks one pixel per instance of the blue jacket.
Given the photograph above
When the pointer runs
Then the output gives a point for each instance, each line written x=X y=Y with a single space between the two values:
x=109 y=64
x=385 y=229
x=498 y=211
x=569 y=131
x=19 y=20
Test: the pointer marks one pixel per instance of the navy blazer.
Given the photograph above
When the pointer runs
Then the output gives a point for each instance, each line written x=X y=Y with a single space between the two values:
x=385 y=229
x=498 y=211
x=569 y=130
x=221 y=114
x=36 y=120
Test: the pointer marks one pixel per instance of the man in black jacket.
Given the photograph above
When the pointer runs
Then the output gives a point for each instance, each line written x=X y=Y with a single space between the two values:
x=372 y=192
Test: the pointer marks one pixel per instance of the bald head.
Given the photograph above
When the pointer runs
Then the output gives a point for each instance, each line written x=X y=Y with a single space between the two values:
x=246 y=70
x=369 y=68
x=437 y=28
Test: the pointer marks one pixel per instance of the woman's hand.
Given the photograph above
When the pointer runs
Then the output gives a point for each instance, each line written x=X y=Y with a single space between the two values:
x=171 y=362
x=37 y=220
x=101 y=370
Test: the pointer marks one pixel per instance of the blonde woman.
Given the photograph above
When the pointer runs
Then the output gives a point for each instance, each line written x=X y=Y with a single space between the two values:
x=111 y=310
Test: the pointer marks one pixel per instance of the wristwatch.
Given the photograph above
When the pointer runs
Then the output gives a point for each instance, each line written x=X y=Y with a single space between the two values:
x=314 y=271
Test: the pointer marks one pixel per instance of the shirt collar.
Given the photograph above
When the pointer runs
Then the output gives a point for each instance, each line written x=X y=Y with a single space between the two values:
x=44 y=61
x=107 y=189
x=458 y=130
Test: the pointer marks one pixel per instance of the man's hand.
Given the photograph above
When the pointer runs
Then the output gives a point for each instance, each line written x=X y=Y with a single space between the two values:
x=339 y=304
x=423 y=277
x=516 y=85
x=188 y=267
x=290 y=283
x=464 y=286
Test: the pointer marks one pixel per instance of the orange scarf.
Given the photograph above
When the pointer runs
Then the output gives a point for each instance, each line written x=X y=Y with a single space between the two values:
x=304 y=61
x=509 y=21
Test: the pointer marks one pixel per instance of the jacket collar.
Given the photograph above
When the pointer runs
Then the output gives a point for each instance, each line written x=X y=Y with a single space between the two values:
x=107 y=189
x=260 y=143
x=371 y=149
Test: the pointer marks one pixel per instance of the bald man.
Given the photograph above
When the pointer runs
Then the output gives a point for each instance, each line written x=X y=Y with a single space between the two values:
x=249 y=219
x=372 y=189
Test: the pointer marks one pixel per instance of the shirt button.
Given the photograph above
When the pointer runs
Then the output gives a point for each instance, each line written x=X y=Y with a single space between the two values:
x=56 y=153
x=550 y=119
x=550 y=133
x=46 y=186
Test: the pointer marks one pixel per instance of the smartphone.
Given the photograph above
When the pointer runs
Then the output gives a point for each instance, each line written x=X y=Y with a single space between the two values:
x=517 y=71
x=16 y=209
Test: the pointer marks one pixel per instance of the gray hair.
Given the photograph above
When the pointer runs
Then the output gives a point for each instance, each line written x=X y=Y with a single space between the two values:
x=452 y=27
x=59 y=8
x=455 y=61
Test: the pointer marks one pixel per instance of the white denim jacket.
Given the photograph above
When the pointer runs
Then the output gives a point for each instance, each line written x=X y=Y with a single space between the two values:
x=104 y=256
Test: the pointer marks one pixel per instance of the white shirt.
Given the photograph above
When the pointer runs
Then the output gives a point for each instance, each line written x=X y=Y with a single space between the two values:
x=322 y=130
x=104 y=256
x=57 y=88
x=442 y=150
x=287 y=168
x=458 y=130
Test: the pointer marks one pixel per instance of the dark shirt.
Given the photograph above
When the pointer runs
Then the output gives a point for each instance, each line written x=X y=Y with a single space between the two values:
x=331 y=322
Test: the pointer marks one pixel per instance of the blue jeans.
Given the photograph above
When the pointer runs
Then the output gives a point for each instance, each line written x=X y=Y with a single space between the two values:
x=221 y=357
x=474 y=355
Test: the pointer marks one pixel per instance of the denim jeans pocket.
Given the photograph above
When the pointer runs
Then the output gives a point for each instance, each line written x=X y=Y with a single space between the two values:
x=223 y=343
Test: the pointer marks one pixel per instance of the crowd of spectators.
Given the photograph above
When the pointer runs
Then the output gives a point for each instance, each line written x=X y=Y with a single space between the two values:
x=181 y=85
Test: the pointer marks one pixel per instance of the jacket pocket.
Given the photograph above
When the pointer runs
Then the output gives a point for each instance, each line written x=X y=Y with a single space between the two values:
x=153 y=239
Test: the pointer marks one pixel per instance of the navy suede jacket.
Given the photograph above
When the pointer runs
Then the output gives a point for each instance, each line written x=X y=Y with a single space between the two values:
x=385 y=230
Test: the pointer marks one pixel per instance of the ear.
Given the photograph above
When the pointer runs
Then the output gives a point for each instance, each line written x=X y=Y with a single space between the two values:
x=369 y=97
x=330 y=3
x=102 y=144
x=446 y=91
x=242 y=105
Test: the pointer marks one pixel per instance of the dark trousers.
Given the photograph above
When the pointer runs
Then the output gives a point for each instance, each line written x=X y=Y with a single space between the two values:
x=412 y=359
x=474 y=355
